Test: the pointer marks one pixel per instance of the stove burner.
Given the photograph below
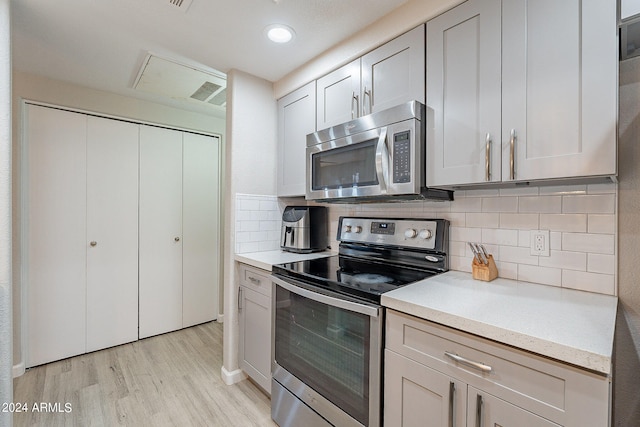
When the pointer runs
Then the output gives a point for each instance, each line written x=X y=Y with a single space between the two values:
x=371 y=278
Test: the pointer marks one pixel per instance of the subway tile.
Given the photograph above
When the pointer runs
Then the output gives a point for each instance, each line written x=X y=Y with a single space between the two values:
x=540 y=204
x=602 y=224
x=543 y=275
x=582 y=242
x=564 y=222
x=517 y=255
x=457 y=219
x=248 y=204
x=482 y=220
x=243 y=248
x=458 y=249
x=243 y=236
x=519 y=221
x=269 y=225
x=555 y=243
x=248 y=226
x=524 y=238
x=520 y=191
x=600 y=263
x=593 y=203
x=591 y=282
x=468 y=204
x=460 y=263
x=565 y=260
x=500 y=204
x=464 y=234
x=507 y=270
x=500 y=237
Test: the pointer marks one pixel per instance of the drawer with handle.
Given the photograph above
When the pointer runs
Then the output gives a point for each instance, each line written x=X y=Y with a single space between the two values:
x=540 y=385
x=254 y=278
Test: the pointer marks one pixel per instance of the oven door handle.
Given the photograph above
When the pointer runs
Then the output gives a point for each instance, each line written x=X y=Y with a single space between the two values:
x=367 y=310
x=382 y=160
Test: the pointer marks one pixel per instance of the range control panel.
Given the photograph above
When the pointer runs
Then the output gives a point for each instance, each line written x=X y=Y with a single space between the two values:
x=414 y=233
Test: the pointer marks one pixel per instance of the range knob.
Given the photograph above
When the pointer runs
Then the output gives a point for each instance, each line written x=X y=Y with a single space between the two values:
x=358 y=229
x=347 y=229
x=425 y=234
x=410 y=233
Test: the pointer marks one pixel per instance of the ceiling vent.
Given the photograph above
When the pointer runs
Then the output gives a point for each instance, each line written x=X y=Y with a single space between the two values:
x=181 y=5
x=170 y=78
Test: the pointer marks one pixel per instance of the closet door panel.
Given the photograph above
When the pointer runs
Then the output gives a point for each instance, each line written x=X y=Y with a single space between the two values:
x=112 y=233
x=160 y=231
x=56 y=242
x=201 y=257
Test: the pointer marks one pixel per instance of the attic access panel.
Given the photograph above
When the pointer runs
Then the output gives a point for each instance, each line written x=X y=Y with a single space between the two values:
x=170 y=78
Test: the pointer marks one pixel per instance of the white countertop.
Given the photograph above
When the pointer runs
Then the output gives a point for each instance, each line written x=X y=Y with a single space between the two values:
x=265 y=260
x=567 y=325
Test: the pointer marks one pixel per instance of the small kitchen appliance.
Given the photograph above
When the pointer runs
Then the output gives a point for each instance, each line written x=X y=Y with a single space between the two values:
x=328 y=324
x=304 y=229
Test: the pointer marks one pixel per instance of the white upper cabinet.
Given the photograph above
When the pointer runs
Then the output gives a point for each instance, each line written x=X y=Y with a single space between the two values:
x=393 y=73
x=296 y=119
x=387 y=76
x=547 y=112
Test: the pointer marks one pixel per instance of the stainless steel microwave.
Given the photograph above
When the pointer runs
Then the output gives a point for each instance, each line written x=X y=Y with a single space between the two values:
x=378 y=156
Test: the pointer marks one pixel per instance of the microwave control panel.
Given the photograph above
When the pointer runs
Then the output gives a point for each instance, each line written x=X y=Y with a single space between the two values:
x=402 y=157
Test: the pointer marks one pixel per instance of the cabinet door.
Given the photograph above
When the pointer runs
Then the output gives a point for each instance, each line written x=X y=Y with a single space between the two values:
x=56 y=234
x=160 y=231
x=200 y=218
x=112 y=233
x=338 y=96
x=394 y=73
x=255 y=336
x=463 y=96
x=559 y=73
x=296 y=119
x=415 y=395
x=488 y=411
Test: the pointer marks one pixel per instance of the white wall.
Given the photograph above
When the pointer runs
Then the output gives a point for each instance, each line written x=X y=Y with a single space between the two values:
x=6 y=382
x=250 y=169
x=35 y=88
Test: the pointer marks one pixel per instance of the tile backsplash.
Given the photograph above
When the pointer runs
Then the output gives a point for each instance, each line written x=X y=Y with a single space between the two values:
x=581 y=220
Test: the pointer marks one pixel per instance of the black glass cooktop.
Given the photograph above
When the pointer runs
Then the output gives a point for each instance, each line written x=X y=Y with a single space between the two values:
x=364 y=279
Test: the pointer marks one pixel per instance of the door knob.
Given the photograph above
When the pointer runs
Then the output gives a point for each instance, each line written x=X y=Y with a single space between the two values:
x=93 y=243
x=177 y=239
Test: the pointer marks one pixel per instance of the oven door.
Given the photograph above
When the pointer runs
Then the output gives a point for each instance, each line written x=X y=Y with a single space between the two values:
x=327 y=352
x=381 y=161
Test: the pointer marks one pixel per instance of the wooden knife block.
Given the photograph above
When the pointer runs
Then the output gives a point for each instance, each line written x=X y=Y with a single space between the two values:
x=483 y=272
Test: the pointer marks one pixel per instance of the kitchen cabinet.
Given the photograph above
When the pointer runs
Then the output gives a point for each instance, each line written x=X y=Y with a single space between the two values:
x=533 y=99
x=254 y=311
x=178 y=243
x=296 y=119
x=506 y=386
x=387 y=76
x=81 y=270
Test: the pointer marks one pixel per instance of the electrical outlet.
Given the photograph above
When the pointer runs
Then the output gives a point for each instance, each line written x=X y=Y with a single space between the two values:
x=540 y=242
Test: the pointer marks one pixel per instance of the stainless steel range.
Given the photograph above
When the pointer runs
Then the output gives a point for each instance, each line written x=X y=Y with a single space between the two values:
x=328 y=322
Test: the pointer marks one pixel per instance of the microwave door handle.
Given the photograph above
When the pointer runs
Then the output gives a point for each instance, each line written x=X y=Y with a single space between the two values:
x=382 y=160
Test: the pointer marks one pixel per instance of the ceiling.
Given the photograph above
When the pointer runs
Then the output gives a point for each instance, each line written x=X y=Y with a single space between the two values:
x=103 y=44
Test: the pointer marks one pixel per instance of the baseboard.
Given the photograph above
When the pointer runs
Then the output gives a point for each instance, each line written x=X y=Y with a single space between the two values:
x=19 y=370
x=233 y=377
x=220 y=318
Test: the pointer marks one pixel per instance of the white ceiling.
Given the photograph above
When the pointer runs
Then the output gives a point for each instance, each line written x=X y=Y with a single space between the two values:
x=103 y=43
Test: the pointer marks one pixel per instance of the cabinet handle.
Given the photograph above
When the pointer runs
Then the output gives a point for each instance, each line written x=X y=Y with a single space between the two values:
x=487 y=158
x=476 y=365
x=93 y=243
x=254 y=280
x=177 y=239
x=512 y=144
x=367 y=93
x=479 y=411
x=452 y=392
x=355 y=112
x=239 y=298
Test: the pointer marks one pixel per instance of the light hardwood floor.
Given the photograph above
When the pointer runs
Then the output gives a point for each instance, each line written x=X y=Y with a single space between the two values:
x=167 y=380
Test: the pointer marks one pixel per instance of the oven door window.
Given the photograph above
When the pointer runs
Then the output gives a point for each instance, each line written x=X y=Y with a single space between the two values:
x=349 y=166
x=325 y=347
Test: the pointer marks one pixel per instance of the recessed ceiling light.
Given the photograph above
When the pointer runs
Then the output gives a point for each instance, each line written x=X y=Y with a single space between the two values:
x=280 y=33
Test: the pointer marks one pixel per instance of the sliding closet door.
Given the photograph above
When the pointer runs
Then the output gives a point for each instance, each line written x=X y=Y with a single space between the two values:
x=112 y=233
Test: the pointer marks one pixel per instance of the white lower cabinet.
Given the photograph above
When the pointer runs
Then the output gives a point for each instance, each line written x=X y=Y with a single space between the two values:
x=254 y=312
x=488 y=385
